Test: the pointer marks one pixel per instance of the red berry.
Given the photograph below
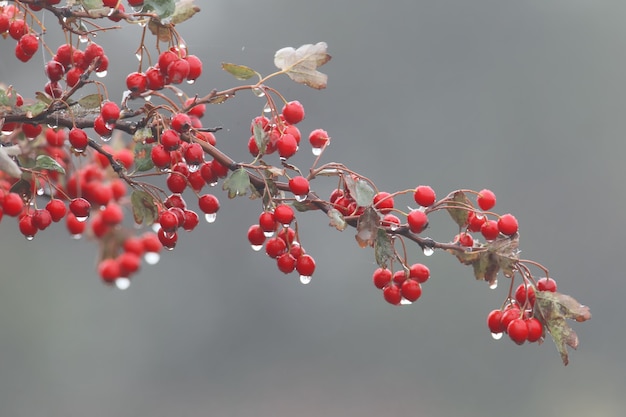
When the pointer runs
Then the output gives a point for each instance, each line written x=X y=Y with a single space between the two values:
x=178 y=70
x=209 y=204
x=29 y=44
x=129 y=263
x=80 y=208
x=465 y=239
x=424 y=195
x=417 y=220
x=518 y=331
x=293 y=112
x=18 y=28
x=191 y=220
x=507 y=224
x=78 y=139
x=137 y=82
x=170 y=139
x=256 y=236
x=508 y=315
x=181 y=122
x=176 y=182
x=318 y=138
x=54 y=70
x=383 y=202
x=195 y=67
x=57 y=209
x=305 y=265
x=168 y=221
x=109 y=270
x=524 y=292
x=283 y=214
x=154 y=79
x=53 y=89
x=75 y=226
x=218 y=169
x=112 y=214
x=194 y=154
x=381 y=277
x=535 y=329
x=93 y=50
x=267 y=222
x=275 y=247
x=160 y=156
x=486 y=199
x=475 y=221
x=299 y=186
x=419 y=272
x=110 y=112
x=42 y=219
x=390 y=220
x=134 y=245
x=252 y=146
x=101 y=128
x=12 y=204
x=546 y=284
x=286 y=263
x=31 y=131
x=27 y=228
x=490 y=230
x=287 y=146
x=411 y=290
x=392 y=294
x=125 y=157
x=151 y=243
x=494 y=322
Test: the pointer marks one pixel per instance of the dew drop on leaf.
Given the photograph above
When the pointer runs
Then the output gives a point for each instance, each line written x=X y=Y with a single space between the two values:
x=152 y=258
x=122 y=283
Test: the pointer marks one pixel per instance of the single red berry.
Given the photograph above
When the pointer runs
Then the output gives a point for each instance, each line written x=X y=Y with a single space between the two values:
x=206 y=171
x=411 y=290
x=399 y=277
x=31 y=131
x=287 y=146
x=194 y=154
x=286 y=263
x=209 y=204
x=93 y=50
x=168 y=221
x=176 y=182
x=417 y=220
x=318 y=138
x=283 y=214
x=54 y=138
x=178 y=71
x=54 y=70
x=299 y=186
x=197 y=110
x=268 y=222
x=125 y=157
x=134 y=245
x=465 y=239
x=475 y=221
x=101 y=127
x=490 y=230
x=27 y=228
x=424 y=195
x=53 y=89
x=181 y=122
x=112 y=214
x=275 y=246
x=294 y=131
x=42 y=219
x=381 y=277
x=80 y=208
x=392 y=294
x=129 y=263
x=160 y=156
x=391 y=220
x=518 y=331
x=78 y=139
x=523 y=293
x=151 y=243
x=419 y=272
x=175 y=200
x=507 y=224
x=98 y=227
x=256 y=236
x=28 y=44
x=535 y=329
x=154 y=79
x=73 y=76
x=287 y=234
x=135 y=3
x=305 y=265
x=110 y=112
x=486 y=199
x=57 y=209
x=137 y=82
x=383 y=202
x=64 y=55
x=170 y=139
x=195 y=67
x=508 y=315
x=75 y=226
x=252 y=146
x=168 y=240
x=196 y=182
x=191 y=220
x=165 y=59
x=293 y=112
x=546 y=284
x=109 y=270
x=494 y=322
x=220 y=171
x=18 y=28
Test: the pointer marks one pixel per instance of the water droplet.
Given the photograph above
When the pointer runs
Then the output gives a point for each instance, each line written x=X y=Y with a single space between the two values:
x=210 y=217
x=256 y=248
x=316 y=151
x=81 y=219
x=110 y=125
x=267 y=109
x=101 y=74
x=83 y=38
x=191 y=82
x=393 y=227
x=41 y=191
x=152 y=258
x=305 y=279
x=496 y=336
x=268 y=234
x=77 y=236
x=301 y=198
x=428 y=251
x=137 y=9
x=169 y=235
x=30 y=237
x=258 y=92
x=147 y=98
x=142 y=24
x=122 y=283
x=213 y=184
x=193 y=167
x=156 y=227
x=493 y=285
x=405 y=302
x=105 y=138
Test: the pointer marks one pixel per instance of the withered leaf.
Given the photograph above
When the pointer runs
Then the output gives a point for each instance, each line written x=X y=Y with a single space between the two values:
x=301 y=64
x=491 y=258
x=383 y=248
x=336 y=219
x=460 y=200
x=367 y=227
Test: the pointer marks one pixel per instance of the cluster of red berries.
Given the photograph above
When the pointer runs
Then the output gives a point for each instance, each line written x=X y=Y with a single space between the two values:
x=275 y=232
x=12 y=22
x=174 y=66
x=517 y=318
x=403 y=286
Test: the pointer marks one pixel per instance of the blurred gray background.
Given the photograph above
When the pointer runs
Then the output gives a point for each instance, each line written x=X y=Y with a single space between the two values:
x=526 y=98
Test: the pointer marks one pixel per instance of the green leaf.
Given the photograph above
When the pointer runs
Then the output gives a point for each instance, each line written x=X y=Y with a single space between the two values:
x=47 y=162
x=8 y=98
x=35 y=109
x=301 y=64
x=237 y=184
x=144 y=207
x=383 y=248
x=337 y=220
x=142 y=135
x=553 y=309
x=185 y=9
x=92 y=4
x=460 y=200
x=367 y=227
x=163 y=8
x=360 y=190
x=241 y=72
x=261 y=137
x=92 y=101
x=143 y=156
